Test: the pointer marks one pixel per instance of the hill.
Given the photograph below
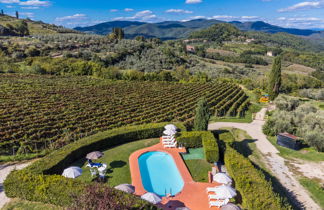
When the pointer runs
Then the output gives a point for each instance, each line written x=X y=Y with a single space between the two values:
x=8 y=26
x=179 y=29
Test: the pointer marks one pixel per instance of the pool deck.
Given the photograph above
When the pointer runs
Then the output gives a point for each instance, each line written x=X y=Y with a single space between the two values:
x=193 y=194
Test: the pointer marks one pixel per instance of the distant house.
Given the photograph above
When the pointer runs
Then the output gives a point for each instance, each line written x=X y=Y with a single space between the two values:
x=270 y=53
x=288 y=140
x=249 y=40
x=190 y=48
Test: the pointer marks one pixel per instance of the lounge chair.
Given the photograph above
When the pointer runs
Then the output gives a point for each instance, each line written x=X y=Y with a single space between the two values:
x=210 y=189
x=171 y=145
x=169 y=142
x=213 y=196
x=218 y=203
x=171 y=139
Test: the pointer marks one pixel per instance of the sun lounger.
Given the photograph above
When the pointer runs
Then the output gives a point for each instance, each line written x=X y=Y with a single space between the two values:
x=218 y=203
x=171 y=145
x=213 y=196
x=169 y=142
x=167 y=137
x=210 y=189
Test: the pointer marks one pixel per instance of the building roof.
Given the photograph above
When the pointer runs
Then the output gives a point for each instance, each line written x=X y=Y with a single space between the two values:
x=288 y=135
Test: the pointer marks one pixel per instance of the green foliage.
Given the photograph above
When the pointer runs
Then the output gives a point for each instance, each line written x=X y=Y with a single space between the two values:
x=248 y=180
x=202 y=115
x=304 y=121
x=38 y=182
x=119 y=33
x=217 y=33
x=205 y=139
x=275 y=78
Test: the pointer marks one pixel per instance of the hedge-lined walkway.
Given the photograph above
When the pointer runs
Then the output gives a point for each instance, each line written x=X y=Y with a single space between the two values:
x=193 y=194
x=274 y=161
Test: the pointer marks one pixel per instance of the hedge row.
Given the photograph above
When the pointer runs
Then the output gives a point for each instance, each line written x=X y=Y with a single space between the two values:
x=256 y=191
x=42 y=181
x=205 y=139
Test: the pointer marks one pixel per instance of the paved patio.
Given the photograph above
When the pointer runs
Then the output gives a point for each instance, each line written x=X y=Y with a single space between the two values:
x=193 y=194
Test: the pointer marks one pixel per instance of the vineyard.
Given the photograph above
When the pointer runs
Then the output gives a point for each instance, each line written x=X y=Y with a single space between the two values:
x=48 y=112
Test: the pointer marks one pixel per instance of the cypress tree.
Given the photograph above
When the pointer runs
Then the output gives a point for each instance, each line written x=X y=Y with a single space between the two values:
x=275 y=78
x=17 y=14
x=2 y=13
x=202 y=115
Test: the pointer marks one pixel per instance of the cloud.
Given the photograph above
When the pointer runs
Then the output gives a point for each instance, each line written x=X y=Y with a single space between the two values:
x=128 y=9
x=193 y=1
x=235 y=18
x=113 y=10
x=299 y=22
x=304 y=6
x=30 y=7
x=9 y=1
x=76 y=17
x=179 y=11
x=27 y=14
x=146 y=15
x=36 y=3
x=10 y=6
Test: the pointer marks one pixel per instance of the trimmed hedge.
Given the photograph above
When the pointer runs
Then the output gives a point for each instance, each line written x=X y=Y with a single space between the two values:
x=38 y=182
x=205 y=139
x=256 y=191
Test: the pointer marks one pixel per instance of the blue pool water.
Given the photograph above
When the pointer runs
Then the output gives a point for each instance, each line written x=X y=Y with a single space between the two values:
x=159 y=173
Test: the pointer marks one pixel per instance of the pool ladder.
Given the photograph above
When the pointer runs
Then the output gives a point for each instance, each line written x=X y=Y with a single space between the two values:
x=166 y=192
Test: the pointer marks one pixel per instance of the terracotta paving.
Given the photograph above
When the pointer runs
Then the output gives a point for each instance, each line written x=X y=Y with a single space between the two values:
x=193 y=194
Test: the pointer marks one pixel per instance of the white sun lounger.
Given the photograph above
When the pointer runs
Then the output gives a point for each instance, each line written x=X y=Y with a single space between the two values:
x=218 y=203
x=213 y=196
x=210 y=189
x=171 y=145
x=169 y=142
x=167 y=137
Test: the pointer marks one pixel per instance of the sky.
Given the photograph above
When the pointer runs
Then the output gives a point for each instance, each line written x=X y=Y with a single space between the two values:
x=72 y=13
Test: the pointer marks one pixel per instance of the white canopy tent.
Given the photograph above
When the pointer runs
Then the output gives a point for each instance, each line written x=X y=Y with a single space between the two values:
x=72 y=172
x=151 y=197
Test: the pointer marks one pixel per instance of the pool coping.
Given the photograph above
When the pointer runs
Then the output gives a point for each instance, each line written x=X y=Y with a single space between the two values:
x=193 y=194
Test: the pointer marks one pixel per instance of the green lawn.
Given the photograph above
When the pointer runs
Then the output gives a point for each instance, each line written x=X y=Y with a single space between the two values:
x=309 y=154
x=194 y=153
x=117 y=159
x=17 y=204
x=248 y=118
x=316 y=191
x=199 y=169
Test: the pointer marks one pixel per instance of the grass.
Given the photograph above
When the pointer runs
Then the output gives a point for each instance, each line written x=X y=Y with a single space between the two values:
x=198 y=169
x=18 y=204
x=117 y=159
x=309 y=154
x=248 y=118
x=194 y=153
x=316 y=191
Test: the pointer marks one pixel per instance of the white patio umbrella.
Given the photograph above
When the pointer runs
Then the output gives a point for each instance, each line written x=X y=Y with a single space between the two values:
x=222 y=178
x=225 y=192
x=128 y=188
x=151 y=197
x=230 y=206
x=170 y=127
x=169 y=132
x=182 y=208
x=72 y=172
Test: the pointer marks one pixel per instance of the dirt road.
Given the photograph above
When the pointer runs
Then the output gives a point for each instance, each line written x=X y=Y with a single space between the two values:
x=4 y=172
x=273 y=161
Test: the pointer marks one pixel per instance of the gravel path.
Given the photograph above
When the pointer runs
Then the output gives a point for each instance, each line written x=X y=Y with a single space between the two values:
x=4 y=172
x=274 y=162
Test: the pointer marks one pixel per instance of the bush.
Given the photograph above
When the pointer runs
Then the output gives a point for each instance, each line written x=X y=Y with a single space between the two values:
x=37 y=182
x=256 y=191
x=205 y=139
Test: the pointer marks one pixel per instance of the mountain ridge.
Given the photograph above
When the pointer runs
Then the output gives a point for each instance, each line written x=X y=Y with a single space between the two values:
x=181 y=29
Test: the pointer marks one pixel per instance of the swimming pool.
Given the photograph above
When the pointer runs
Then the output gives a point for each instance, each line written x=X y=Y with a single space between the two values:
x=159 y=173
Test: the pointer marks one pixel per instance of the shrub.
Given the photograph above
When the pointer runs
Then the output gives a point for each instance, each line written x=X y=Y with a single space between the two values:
x=37 y=182
x=205 y=139
x=256 y=191
x=202 y=115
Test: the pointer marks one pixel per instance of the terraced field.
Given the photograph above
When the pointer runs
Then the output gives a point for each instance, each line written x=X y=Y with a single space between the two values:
x=48 y=112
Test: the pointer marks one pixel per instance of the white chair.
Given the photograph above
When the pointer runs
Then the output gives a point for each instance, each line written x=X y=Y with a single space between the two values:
x=211 y=189
x=169 y=142
x=93 y=172
x=171 y=145
x=218 y=203
x=167 y=137
x=213 y=196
